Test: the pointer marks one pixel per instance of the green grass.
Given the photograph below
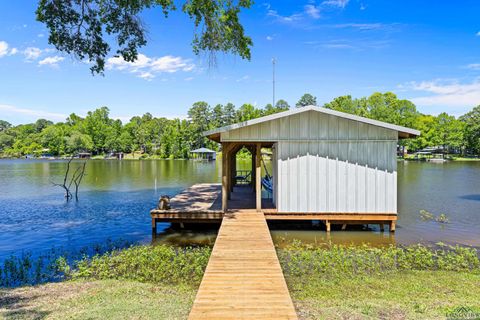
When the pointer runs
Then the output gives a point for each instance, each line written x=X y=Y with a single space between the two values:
x=400 y=295
x=465 y=159
x=381 y=283
x=104 y=299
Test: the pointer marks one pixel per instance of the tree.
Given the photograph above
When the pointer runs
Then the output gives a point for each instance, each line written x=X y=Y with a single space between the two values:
x=6 y=141
x=84 y=28
x=78 y=142
x=4 y=125
x=229 y=113
x=247 y=112
x=53 y=138
x=307 y=100
x=200 y=115
x=426 y=125
x=41 y=124
x=387 y=107
x=449 y=132
x=97 y=125
x=471 y=122
x=218 y=116
x=348 y=105
x=282 y=105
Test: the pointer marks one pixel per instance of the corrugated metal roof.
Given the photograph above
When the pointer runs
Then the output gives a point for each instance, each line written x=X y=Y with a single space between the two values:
x=203 y=150
x=408 y=132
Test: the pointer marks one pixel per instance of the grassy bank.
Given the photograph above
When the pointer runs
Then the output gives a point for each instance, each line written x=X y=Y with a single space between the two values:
x=333 y=282
x=102 y=299
x=140 y=282
x=386 y=283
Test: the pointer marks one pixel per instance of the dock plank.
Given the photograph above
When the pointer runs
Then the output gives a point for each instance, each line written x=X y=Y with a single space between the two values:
x=243 y=279
x=198 y=198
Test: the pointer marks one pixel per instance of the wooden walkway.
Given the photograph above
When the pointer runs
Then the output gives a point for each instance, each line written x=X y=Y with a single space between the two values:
x=243 y=279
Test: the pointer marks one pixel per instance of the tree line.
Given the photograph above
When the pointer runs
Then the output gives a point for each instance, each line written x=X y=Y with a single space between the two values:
x=174 y=138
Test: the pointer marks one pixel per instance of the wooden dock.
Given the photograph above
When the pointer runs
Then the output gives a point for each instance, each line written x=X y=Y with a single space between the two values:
x=243 y=279
x=203 y=203
x=199 y=203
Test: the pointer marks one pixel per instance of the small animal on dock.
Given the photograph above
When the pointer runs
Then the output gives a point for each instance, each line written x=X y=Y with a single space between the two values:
x=164 y=203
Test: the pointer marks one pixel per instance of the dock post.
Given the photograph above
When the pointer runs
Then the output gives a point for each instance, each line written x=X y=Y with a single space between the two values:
x=382 y=227
x=392 y=226
x=258 y=177
x=327 y=224
x=224 y=177
x=154 y=226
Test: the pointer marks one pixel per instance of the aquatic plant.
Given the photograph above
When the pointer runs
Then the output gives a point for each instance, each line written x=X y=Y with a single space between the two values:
x=428 y=216
x=442 y=218
x=49 y=266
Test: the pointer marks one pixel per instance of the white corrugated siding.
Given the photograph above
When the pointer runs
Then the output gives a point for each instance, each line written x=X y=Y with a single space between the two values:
x=328 y=164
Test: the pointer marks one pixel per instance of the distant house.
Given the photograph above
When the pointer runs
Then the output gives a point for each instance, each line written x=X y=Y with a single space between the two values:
x=203 y=154
x=326 y=165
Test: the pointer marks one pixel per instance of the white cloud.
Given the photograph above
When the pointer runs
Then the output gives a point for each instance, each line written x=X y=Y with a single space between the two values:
x=35 y=114
x=449 y=93
x=362 y=26
x=336 y=3
x=189 y=79
x=312 y=11
x=146 y=75
x=473 y=66
x=3 y=48
x=51 y=61
x=478 y=34
x=285 y=19
x=244 y=78
x=32 y=53
x=269 y=38
x=338 y=45
x=147 y=68
x=357 y=44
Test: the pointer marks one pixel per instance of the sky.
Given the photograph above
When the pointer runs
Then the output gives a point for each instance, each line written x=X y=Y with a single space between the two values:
x=426 y=51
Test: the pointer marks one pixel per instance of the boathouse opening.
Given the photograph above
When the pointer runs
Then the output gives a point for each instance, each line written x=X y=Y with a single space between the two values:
x=246 y=187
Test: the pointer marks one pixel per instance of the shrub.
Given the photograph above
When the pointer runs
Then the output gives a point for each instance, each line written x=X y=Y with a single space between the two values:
x=336 y=260
x=154 y=264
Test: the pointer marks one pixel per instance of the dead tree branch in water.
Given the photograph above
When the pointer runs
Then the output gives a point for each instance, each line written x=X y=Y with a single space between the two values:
x=75 y=179
x=78 y=178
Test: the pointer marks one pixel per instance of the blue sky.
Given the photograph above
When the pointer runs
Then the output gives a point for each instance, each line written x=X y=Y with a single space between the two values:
x=426 y=51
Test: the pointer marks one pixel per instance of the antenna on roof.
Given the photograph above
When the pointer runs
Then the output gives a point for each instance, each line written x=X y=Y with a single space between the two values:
x=273 y=80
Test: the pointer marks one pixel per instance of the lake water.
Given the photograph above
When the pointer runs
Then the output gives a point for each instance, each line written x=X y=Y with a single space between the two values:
x=116 y=197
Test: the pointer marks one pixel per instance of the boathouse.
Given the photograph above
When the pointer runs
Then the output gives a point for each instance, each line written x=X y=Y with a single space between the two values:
x=203 y=154
x=326 y=165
